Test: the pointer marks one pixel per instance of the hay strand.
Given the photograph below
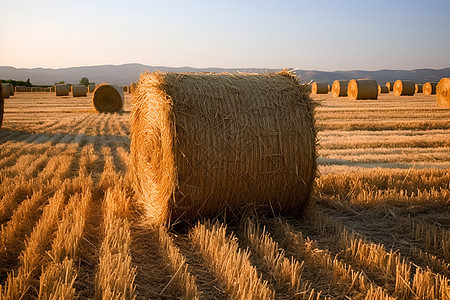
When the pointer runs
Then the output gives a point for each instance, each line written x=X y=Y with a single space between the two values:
x=62 y=90
x=362 y=89
x=339 y=88
x=203 y=143
x=319 y=88
x=108 y=97
x=429 y=88
x=419 y=88
x=79 y=91
x=383 y=89
x=404 y=88
x=443 y=92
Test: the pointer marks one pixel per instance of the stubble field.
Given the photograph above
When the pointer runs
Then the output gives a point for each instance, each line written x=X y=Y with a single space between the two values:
x=378 y=226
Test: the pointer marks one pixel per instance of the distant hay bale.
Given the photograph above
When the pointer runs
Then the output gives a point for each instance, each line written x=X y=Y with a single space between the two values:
x=383 y=89
x=362 y=89
x=339 y=88
x=132 y=87
x=429 y=88
x=34 y=89
x=443 y=92
x=5 y=90
x=204 y=143
x=390 y=86
x=11 y=89
x=21 y=89
x=91 y=88
x=108 y=97
x=79 y=91
x=28 y=89
x=125 y=88
x=2 y=105
x=419 y=88
x=52 y=89
x=62 y=90
x=319 y=88
x=404 y=88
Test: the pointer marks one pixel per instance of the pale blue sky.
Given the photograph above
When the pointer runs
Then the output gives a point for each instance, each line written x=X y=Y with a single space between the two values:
x=313 y=35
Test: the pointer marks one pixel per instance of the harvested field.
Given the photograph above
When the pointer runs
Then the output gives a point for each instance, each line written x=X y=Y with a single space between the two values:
x=378 y=228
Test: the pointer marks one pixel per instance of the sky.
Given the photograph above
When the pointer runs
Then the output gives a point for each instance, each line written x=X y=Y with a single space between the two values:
x=311 y=35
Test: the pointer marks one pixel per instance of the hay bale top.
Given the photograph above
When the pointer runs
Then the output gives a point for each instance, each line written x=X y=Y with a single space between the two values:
x=108 y=97
x=443 y=92
x=203 y=143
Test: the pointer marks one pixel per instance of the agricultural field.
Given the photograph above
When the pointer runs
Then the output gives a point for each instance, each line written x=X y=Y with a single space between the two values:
x=378 y=225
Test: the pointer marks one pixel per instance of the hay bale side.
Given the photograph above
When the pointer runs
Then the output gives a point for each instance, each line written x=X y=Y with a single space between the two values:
x=203 y=143
x=79 y=91
x=443 y=92
x=108 y=97
x=362 y=89
x=5 y=90
x=2 y=105
x=62 y=90
x=419 y=88
x=91 y=88
x=429 y=88
x=319 y=88
x=11 y=89
x=383 y=89
x=390 y=85
x=404 y=88
x=339 y=88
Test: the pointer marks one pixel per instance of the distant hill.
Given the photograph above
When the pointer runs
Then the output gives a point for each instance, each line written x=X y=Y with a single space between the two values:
x=124 y=74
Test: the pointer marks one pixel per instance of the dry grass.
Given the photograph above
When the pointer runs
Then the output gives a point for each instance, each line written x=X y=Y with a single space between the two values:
x=377 y=228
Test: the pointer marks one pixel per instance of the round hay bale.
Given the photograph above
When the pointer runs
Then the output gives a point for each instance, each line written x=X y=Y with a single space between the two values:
x=5 y=90
x=91 y=88
x=339 y=88
x=125 y=89
x=390 y=86
x=11 y=89
x=319 y=88
x=2 y=105
x=383 y=89
x=28 y=89
x=419 y=88
x=52 y=89
x=79 y=91
x=443 y=92
x=62 y=90
x=362 y=89
x=404 y=88
x=108 y=97
x=429 y=88
x=204 y=143
x=34 y=89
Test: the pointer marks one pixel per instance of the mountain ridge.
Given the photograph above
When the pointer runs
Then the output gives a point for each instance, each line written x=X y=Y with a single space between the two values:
x=125 y=73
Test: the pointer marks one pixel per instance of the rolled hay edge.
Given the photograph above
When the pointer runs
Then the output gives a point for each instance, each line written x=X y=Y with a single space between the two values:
x=429 y=88
x=339 y=88
x=236 y=122
x=108 y=97
x=443 y=92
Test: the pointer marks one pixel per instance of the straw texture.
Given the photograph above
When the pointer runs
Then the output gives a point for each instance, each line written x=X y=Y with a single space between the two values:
x=339 y=88
x=2 y=105
x=5 y=90
x=419 y=88
x=429 y=88
x=390 y=86
x=443 y=92
x=319 y=88
x=62 y=90
x=382 y=89
x=79 y=91
x=108 y=97
x=404 y=88
x=203 y=143
x=362 y=89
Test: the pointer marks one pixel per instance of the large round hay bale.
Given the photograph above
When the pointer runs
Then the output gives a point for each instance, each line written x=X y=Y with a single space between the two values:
x=339 y=88
x=419 y=88
x=91 y=88
x=5 y=90
x=404 y=88
x=429 y=88
x=319 y=88
x=443 y=92
x=390 y=86
x=62 y=90
x=79 y=91
x=108 y=97
x=362 y=89
x=2 y=105
x=383 y=89
x=204 y=143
